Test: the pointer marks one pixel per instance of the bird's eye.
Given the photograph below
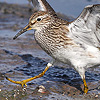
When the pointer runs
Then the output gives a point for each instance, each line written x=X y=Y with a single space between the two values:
x=38 y=19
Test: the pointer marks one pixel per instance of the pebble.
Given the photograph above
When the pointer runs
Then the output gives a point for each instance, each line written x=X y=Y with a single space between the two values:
x=96 y=96
x=41 y=89
x=24 y=89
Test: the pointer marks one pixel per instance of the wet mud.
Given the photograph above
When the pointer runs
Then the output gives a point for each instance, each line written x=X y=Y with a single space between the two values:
x=23 y=58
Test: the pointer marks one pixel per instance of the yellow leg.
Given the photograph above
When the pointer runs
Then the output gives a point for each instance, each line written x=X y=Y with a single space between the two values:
x=22 y=83
x=85 y=86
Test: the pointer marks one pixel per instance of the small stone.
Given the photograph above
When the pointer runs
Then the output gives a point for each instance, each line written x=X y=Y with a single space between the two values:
x=24 y=89
x=40 y=96
x=41 y=89
x=96 y=96
x=14 y=95
x=63 y=94
x=17 y=90
x=18 y=93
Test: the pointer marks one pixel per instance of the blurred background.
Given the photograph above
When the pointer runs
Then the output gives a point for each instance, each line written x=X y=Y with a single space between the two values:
x=68 y=7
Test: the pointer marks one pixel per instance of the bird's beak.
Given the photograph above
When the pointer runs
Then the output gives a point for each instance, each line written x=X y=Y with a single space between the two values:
x=22 y=31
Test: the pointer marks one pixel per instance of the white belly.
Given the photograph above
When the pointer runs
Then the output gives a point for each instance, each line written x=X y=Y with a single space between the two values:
x=78 y=56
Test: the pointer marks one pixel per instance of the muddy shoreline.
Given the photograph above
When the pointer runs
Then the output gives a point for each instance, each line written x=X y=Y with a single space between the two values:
x=23 y=58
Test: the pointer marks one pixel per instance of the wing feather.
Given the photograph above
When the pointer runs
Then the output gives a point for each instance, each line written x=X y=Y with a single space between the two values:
x=38 y=5
x=86 y=27
x=43 y=5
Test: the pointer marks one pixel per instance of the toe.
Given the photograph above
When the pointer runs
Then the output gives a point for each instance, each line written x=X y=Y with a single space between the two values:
x=85 y=89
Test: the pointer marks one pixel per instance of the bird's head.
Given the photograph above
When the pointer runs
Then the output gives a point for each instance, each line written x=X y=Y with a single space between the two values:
x=40 y=19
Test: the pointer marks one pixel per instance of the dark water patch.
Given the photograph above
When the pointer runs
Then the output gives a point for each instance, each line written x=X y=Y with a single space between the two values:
x=57 y=80
x=36 y=65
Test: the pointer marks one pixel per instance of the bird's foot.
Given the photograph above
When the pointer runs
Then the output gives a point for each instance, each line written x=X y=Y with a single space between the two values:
x=23 y=83
x=85 y=89
x=85 y=86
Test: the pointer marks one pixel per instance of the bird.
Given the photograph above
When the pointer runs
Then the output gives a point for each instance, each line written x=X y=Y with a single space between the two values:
x=75 y=43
